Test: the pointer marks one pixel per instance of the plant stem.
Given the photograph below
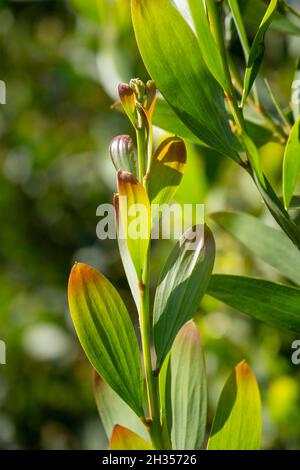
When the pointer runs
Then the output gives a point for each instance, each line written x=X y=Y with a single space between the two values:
x=142 y=150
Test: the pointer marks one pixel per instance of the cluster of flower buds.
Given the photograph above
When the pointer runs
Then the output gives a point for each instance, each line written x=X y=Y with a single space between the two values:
x=138 y=102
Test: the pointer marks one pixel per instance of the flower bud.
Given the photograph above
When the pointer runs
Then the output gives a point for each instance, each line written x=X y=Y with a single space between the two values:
x=122 y=154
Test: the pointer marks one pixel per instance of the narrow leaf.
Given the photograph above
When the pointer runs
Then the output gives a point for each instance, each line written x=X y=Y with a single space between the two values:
x=291 y=164
x=257 y=50
x=181 y=286
x=176 y=65
x=272 y=303
x=207 y=44
x=113 y=410
x=125 y=257
x=124 y=439
x=295 y=98
x=106 y=333
x=166 y=171
x=238 y=421
x=269 y=244
x=187 y=390
x=135 y=216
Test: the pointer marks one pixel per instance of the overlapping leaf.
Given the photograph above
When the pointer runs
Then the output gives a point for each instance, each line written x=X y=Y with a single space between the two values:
x=135 y=217
x=166 y=171
x=172 y=56
x=269 y=302
x=291 y=164
x=106 y=333
x=113 y=410
x=238 y=421
x=124 y=439
x=181 y=286
x=187 y=390
x=269 y=244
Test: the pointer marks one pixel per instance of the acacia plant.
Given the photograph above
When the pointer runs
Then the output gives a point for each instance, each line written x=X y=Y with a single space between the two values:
x=157 y=397
x=172 y=413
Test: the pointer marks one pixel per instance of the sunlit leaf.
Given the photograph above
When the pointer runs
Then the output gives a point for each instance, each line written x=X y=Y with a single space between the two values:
x=269 y=244
x=181 y=286
x=176 y=65
x=209 y=49
x=166 y=171
x=291 y=164
x=113 y=410
x=187 y=390
x=125 y=257
x=124 y=439
x=238 y=421
x=272 y=303
x=257 y=50
x=135 y=216
x=106 y=333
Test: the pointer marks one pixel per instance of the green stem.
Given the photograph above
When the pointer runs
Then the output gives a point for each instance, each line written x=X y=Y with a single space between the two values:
x=142 y=151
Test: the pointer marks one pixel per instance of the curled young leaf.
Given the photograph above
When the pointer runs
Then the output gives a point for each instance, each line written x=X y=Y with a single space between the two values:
x=182 y=284
x=135 y=216
x=166 y=171
x=124 y=439
x=127 y=98
x=122 y=154
x=291 y=164
x=257 y=50
x=106 y=333
x=186 y=390
x=238 y=421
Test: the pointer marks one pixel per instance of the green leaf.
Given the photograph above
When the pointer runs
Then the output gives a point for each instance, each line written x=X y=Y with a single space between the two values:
x=176 y=65
x=269 y=244
x=113 y=410
x=187 y=390
x=257 y=50
x=291 y=164
x=272 y=303
x=106 y=333
x=135 y=217
x=166 y=118
x=181 y=286
x=124 y=439
x=166 y=171
x=238 y=421
x=209 y=49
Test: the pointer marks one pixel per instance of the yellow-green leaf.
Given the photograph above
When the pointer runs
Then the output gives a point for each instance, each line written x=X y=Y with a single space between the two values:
x=238 y=421
x=106 y=333
x=135 y=216
x=291 y=164
x=124 y=439
x=166 y=171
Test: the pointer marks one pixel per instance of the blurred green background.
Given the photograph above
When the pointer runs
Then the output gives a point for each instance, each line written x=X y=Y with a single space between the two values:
x=61 y=62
